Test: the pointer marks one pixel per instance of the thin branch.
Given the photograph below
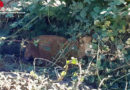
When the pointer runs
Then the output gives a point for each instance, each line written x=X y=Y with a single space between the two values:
x=120 y=78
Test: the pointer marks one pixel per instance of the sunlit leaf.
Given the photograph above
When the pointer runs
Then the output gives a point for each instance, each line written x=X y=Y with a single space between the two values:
x=33 y=74
x=74 y=61
x=112 y=38
x=63 y=73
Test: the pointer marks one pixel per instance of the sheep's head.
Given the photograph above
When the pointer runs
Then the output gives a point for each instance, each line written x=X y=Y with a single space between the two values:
x=84 y=45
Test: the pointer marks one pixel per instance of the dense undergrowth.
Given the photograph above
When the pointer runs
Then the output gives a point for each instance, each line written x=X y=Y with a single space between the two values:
x=107 y=64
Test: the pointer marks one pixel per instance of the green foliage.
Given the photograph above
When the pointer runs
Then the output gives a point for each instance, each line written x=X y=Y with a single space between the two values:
x=107 y=21
x=33 y=74
x=36 y=42
x=74 y=61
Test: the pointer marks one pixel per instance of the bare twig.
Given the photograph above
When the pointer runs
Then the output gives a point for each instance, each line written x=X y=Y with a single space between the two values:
x=98 y=61
x=34 y=62
x=102 y=81
x=120 y=78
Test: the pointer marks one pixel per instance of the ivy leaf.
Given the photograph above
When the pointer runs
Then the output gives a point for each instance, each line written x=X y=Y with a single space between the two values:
x=95 y=46
x=128 y=41
x=112 y=38
x=119 y=2
x=96 y=9
x=82 y=79
x=74 y=61
x=120 y=47
x=36 y=42
x=83 y=13
x=95 y=35
x=88 y=1
x=63 y=73
x=97 y=22
x=67 y=62
x=107 y=23
x=80 y=5
x=106 y=48
x=98 y=63
x=94 y=15
x=104 y=34
x=15 y=24
x=33 y=74
x=75 y=74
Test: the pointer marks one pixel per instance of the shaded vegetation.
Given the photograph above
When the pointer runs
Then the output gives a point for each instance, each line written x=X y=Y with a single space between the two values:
x=107 y=64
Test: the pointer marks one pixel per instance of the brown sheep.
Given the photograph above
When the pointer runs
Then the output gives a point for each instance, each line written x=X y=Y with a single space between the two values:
x=52 y=48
